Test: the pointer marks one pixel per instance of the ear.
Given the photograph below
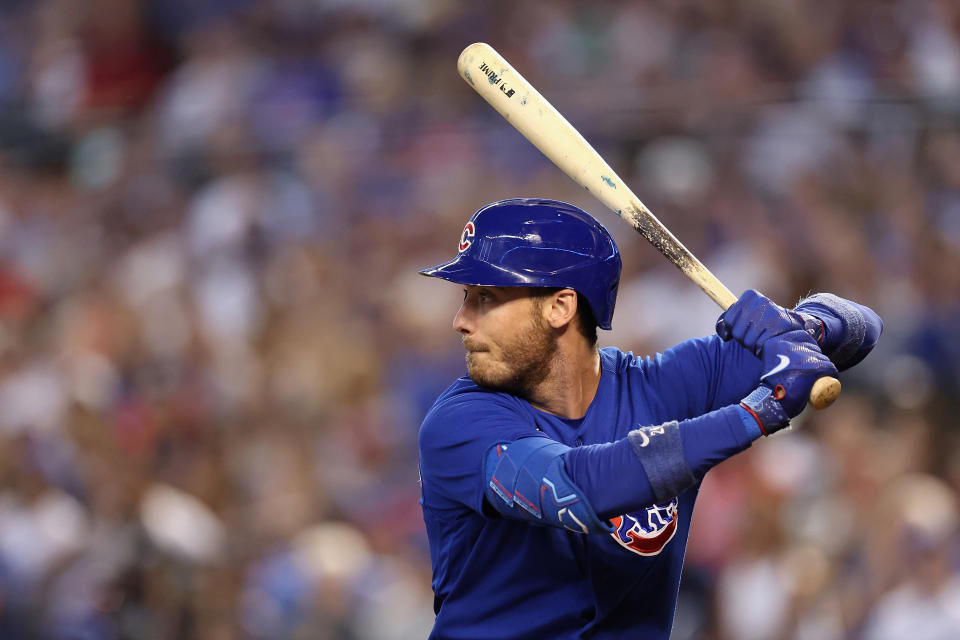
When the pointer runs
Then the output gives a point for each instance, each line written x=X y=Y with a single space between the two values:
x=560 y=308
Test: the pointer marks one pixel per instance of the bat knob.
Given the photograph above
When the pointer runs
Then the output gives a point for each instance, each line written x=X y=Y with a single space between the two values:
x=824 y=392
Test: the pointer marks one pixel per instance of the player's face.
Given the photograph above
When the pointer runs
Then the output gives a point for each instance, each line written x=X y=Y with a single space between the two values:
x=509 y=344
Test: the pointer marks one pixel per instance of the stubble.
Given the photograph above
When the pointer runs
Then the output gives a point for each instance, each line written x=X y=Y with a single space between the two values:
x=525 y=363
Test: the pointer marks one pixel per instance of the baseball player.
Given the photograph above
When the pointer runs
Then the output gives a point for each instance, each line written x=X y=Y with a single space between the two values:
x=558 y=479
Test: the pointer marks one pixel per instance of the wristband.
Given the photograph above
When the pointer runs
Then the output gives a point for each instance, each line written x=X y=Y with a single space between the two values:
x=766 y=409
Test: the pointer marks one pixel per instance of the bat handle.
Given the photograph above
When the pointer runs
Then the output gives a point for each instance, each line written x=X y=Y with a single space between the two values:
x=824 y=392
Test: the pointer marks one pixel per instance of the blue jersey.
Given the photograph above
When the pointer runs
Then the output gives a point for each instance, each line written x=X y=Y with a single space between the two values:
x=500 y=578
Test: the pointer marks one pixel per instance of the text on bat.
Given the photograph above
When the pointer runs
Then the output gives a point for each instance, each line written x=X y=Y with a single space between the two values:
x=496 y=80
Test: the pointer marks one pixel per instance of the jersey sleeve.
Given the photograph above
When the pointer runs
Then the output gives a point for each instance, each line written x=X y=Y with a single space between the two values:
x=655 y=463
x=696 y=376
x=454 y=438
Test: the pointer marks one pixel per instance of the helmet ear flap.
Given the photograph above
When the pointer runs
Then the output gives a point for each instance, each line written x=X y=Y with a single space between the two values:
x=534 y=242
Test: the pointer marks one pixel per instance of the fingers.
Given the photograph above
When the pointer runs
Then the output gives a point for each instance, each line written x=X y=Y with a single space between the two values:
x=730 y=323
x=752 y=320
x=724 y=330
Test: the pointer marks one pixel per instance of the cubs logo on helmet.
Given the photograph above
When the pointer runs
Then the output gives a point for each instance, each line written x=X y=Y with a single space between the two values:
x=466 y=238
x=648 y=531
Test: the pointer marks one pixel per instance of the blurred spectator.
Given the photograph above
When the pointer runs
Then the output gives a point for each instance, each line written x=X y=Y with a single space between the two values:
x=215 y=351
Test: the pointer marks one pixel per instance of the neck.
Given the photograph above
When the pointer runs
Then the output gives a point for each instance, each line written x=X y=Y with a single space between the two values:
x=572 y=383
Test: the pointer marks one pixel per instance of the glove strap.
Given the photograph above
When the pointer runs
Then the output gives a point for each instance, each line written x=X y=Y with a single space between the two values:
x=813 y=326
x=763 y=404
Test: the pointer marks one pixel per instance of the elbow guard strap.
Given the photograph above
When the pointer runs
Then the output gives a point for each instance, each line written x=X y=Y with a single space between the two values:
x=527 y=480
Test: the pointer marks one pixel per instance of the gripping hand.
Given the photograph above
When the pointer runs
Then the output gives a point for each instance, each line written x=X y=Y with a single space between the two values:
x=792 y=362
x=753 y=319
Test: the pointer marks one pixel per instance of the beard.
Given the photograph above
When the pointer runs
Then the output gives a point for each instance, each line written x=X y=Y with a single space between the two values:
x=525 y=361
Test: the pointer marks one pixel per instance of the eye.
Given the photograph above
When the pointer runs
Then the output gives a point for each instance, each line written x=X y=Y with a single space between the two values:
x=479 y=296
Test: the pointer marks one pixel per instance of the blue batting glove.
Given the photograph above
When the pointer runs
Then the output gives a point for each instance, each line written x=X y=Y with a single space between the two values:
x=753 y=319
x=792 y=362
x=849 y=331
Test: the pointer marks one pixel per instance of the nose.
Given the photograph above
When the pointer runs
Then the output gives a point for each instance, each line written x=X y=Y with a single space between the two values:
x=463 y=321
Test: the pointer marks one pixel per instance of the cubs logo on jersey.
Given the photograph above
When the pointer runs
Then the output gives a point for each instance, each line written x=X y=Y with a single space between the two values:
x=646 y=532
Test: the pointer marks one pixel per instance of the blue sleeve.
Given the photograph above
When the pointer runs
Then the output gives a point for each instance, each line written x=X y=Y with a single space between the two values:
x=548 y=483
x=654 y=464
x=695 y=377
x=454 y=439
x=850 y=330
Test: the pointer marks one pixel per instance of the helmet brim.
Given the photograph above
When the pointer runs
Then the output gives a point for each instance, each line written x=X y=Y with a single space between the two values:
x=466 y=270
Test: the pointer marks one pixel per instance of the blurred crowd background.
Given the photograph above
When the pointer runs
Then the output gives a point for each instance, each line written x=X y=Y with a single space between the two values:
x=215 y=350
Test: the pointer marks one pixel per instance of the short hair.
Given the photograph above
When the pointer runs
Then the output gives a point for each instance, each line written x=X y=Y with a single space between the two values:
x=586 y=320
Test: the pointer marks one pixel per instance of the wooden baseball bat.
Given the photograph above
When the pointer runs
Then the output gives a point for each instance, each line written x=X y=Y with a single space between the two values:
x=533 y=116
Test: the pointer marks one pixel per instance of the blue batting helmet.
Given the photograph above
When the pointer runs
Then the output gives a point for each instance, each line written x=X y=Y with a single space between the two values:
x=531 y=242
